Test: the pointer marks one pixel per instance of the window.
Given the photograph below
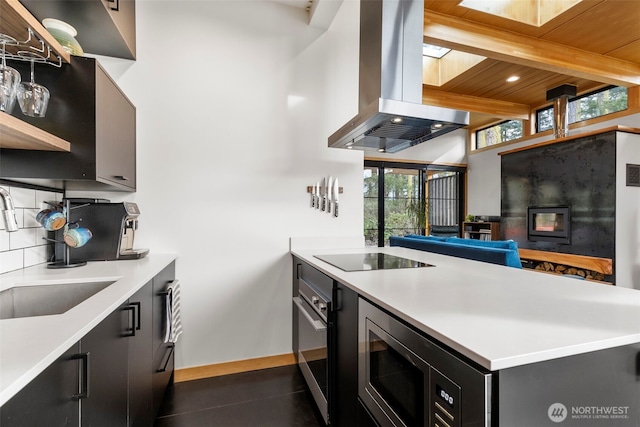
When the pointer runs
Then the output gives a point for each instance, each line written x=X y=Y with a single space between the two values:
x=595 y=104
x=434 y=51
x=443 y=198
x=401 y=198
x=497 y=134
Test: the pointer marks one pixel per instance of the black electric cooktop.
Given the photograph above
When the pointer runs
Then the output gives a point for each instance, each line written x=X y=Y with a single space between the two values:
x=370 y=261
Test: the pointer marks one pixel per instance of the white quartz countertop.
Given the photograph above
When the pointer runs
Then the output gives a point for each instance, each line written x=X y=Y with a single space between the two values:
x=499 y=317
x=28 y=345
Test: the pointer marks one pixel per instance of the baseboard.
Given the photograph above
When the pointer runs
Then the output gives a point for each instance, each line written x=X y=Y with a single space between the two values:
x=219 y=369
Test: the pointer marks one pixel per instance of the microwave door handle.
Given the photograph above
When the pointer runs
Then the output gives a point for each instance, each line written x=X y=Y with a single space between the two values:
x=317 y=324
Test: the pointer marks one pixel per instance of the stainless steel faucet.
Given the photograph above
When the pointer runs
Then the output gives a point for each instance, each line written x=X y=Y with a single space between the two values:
x=8 y=211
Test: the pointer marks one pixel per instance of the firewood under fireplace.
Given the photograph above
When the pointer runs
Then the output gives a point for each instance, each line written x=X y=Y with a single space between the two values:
x=590 y=268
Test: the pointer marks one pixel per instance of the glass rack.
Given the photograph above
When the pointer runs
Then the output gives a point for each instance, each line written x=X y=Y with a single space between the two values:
x=32 y=49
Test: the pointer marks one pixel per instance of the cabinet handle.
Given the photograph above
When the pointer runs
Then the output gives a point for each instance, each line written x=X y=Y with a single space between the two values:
x=131 y=330
x=117 y=5
x=138 y=315
x=121 y=177
x=338 y=299
x=165 y=362
x=84 y=375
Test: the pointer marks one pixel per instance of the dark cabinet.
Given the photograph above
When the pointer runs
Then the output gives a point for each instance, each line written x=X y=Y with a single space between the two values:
x=93 y=371
x=48 y=400
x=88 y=110
x=346 y=366
x=150 y=358
x=119 y=371
x=163 y=352
x=105 y=27
x=343 y=342
x=107 y=348
x=140 y=358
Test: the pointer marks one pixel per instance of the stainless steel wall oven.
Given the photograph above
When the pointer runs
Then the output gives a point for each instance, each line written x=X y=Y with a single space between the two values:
x=407 y=380
x=313 y=305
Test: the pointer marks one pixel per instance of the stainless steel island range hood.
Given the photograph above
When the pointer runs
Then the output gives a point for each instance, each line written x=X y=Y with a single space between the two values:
x=391 y=116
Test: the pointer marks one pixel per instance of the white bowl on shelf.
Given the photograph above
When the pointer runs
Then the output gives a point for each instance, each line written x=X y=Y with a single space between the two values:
x=65 y=35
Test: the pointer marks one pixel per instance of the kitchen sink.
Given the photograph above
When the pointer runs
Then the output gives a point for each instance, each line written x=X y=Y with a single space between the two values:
x=46 y=299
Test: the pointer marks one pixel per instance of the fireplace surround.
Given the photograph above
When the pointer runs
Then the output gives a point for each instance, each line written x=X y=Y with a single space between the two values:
x=577 y=173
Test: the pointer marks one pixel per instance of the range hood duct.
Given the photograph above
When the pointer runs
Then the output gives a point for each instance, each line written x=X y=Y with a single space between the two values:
x=391 y=116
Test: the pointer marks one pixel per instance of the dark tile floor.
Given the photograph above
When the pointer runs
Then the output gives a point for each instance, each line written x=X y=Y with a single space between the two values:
x=275 y=397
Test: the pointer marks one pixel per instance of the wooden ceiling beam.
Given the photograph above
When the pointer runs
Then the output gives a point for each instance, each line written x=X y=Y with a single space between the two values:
x=459 y=34
x=493 y=107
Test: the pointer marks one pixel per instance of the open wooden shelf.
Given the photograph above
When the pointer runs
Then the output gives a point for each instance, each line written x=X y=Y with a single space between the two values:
x=481 y=230
x=15 y=22
x=14 y=133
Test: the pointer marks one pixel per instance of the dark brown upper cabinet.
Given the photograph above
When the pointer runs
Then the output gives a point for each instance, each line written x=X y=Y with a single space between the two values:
x=90 y=111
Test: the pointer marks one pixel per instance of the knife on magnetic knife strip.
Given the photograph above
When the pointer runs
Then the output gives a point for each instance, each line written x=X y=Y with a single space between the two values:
x=336 y=191
x=329 y=194
x=323 y=194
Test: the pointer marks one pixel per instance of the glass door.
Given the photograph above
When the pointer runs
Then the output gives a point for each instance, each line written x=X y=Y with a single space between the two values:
x=405 y=198
x=371 y=206
x=394 y=203
x=404 y=202
x=444 y=189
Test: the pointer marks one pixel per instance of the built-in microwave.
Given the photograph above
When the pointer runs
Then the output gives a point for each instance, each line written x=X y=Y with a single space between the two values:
x=407 y=380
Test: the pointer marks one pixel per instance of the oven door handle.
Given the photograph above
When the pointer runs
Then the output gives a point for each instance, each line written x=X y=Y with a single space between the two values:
x=318 y=325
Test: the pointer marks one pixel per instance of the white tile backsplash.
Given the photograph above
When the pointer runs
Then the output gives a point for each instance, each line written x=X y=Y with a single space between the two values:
x=11 y=260
x=23 y=197
x=23 y=238
x=19 y=217
x=4 y=241
x=41 y=234
x=46 y=196
x=35 y=255
x=26 y=246
x=30 y=218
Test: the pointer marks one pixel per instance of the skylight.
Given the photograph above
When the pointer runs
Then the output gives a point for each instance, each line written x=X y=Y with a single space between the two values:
x=434 y=51
x=534 y=12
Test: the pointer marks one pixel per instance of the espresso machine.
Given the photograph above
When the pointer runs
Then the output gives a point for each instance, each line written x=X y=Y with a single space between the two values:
x=113 y=226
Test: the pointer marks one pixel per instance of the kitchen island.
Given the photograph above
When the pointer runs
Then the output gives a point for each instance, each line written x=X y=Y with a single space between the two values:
x=521 y=326
x=28 y=345
x=498 y=317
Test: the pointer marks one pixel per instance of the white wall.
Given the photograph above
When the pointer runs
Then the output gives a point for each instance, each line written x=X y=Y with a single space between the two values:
x=448 y=149
x=235 y=101
x=627 y=213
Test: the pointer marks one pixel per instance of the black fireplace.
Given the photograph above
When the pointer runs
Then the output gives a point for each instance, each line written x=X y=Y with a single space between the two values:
x=549 y=224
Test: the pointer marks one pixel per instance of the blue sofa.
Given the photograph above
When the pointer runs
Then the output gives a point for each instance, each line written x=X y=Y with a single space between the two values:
x=502 y=252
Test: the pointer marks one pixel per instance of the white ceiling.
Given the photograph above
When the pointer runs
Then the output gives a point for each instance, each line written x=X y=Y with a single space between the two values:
x=321 y=12
x=300 y=4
